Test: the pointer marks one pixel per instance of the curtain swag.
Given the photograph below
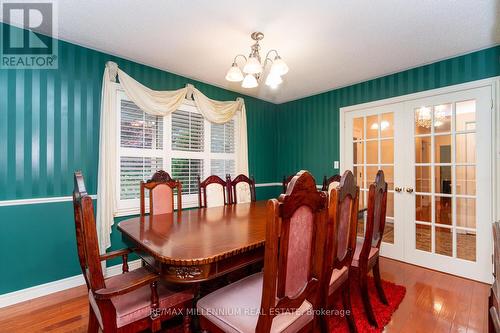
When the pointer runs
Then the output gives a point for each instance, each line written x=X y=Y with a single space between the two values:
x=160 y=103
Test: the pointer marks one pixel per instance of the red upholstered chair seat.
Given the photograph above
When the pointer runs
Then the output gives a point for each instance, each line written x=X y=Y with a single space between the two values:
x=357 y=252
x=136 y=305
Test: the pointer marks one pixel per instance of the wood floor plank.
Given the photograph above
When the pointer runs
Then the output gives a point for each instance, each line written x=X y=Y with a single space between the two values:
x=434 y=302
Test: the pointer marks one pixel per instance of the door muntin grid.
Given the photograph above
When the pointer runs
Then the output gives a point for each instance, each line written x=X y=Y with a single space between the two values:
x=445 y=184
x=373 y=149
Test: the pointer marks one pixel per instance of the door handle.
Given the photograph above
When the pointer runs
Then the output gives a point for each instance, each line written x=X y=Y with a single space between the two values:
x=398 y=189
x=409 y=190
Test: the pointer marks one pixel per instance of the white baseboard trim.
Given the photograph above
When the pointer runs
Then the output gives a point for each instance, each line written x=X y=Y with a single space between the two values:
x=55 y=286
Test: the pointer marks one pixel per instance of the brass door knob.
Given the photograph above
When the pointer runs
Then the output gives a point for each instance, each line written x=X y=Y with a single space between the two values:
x=409 y=190
x=398 y=189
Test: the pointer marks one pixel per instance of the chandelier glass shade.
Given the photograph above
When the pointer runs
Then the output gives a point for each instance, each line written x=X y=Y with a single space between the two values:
x=249 y=81
x=252 y=66
x=254 y=69
x=234 y=74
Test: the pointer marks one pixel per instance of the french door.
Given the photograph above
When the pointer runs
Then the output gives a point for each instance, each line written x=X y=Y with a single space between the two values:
x=436 y=156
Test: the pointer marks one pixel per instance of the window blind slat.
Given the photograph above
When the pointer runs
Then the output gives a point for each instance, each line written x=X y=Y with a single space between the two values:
x=222 y=167
x=187 y=131
x=138 y=129
x=133 y=170
x=187 y=171
x=222 y=137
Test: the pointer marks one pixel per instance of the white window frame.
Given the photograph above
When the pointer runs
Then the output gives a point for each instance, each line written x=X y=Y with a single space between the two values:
x=132 y=206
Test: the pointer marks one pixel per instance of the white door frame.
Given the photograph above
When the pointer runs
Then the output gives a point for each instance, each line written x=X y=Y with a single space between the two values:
x=493 y=83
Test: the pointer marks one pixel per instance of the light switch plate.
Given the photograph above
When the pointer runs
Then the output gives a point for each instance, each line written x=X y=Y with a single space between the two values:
x=336 y=164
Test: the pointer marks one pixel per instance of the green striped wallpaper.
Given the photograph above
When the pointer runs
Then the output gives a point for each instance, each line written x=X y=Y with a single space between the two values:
x=308 y=128
x=49 y=121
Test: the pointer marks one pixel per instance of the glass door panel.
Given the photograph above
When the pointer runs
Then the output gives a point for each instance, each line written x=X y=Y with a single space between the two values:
x=444 y=150
x=436 y=156
x=373 y=149
x=450 y=208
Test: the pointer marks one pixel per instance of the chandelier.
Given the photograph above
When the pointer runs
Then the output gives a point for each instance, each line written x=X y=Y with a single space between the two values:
x=254 y=68
x=423 y=117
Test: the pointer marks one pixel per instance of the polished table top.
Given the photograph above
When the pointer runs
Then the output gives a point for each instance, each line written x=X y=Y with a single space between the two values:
x=199 y=236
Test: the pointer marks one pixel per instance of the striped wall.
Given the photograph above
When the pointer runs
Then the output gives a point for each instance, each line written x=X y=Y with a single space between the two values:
x=49 y=127
x=308 y=128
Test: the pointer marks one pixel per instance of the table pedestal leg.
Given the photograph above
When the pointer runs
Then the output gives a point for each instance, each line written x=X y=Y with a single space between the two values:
x=195 y=321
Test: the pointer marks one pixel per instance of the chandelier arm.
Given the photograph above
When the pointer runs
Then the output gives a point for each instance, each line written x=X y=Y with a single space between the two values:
x=265 y=63
x=270 y=51
x=237 y=56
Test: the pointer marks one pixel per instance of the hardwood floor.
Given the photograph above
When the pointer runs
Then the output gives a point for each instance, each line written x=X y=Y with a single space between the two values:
x=434 y=302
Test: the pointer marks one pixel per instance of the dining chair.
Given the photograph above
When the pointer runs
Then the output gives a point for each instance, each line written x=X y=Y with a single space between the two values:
x=79 y=191
x=243 y=189
x=366 y=255
x=161 y=194
x=129 y=302
x=341 y=243
x=494 y=298
x=212 y=192
x=282 y=297
x=286 y=181
x=331 y=182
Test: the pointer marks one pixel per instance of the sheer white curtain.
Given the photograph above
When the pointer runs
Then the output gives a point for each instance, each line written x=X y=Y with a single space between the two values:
x=153 y=102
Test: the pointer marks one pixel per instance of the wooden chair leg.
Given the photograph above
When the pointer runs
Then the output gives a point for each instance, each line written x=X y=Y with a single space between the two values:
x=93 y=322
x=346 y=299
x=378 y=283
x=365 y=296
x=186 y=323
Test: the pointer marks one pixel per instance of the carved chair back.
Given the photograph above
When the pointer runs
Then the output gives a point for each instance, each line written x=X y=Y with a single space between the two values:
x=294 y=249
x=243 y=189
x=329 y=183
x=375 y=217
x=87 y=235
x=496 y=251
x=342 y=223
x=80 y=191
x=286 y=181
x=161 y=194
x=212 y=192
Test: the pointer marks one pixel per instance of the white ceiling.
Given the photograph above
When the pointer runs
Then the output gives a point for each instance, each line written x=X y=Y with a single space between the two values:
x=326 y=43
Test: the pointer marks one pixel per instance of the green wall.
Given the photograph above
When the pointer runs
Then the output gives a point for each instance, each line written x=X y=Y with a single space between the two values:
x=49 y=121
x=308 y=128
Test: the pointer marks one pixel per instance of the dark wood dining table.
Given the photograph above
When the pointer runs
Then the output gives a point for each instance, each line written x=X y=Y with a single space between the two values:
x=197 y=245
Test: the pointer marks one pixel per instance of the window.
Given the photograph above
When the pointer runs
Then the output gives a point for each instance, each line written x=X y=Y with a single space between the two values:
x=182 y=143
x=222 y=148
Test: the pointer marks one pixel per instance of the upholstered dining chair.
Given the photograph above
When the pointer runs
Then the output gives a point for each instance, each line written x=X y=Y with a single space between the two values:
x=242 y=189
x=286 y=181
x=341 y=242
x=161 y=194
x=366 y=256
x=79 y=191
x=131 y=302
x=330 y=183
x=213 y=192
x=293 y=265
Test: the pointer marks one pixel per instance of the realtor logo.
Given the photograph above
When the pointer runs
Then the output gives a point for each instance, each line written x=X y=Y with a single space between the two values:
x=28 y=35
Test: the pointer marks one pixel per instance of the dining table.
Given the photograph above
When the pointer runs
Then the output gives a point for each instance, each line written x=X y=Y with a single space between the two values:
x=196 y=245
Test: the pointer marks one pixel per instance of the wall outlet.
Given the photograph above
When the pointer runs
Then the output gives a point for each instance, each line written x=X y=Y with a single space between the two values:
x=336 y=164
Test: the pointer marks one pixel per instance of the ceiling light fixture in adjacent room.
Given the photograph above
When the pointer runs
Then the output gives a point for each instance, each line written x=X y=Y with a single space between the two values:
x=253 y=69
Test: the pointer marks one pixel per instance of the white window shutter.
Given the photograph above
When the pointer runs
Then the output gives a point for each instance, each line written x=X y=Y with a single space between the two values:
x=187 y=131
